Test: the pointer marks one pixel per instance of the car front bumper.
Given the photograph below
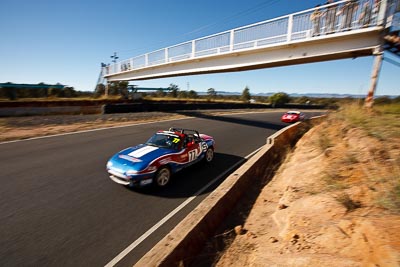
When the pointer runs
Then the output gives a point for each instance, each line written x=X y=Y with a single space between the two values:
x=289 y=120
x=139 y=180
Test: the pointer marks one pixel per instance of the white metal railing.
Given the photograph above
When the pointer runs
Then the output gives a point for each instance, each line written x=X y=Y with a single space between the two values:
x=319 y=21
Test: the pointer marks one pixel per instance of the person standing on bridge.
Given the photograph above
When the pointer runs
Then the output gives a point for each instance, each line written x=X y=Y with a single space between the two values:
x=347 y=11
x=316 y=20
x=330 y=17
x=365 y=17
x=375 y=11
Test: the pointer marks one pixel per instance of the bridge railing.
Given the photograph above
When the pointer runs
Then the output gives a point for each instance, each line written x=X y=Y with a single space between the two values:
x=316 y=22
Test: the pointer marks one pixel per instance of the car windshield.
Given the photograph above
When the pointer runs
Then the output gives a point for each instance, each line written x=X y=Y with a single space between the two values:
x=164 y=140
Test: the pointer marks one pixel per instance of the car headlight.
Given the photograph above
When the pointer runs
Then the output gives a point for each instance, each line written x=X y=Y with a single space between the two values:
x=130 y=172
x=109 y=164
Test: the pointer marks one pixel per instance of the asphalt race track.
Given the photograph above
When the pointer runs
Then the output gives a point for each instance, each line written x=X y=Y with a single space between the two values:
x=58 y=206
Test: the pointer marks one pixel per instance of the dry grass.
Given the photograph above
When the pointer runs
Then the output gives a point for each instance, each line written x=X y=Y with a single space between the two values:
x=364 y=149
x=382 y=123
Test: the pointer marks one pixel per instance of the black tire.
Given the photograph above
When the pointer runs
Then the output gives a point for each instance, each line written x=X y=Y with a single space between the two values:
x=209 y=156
x=162 y=177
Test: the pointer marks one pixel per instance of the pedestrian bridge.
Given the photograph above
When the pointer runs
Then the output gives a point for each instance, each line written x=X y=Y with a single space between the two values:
x=344 y=29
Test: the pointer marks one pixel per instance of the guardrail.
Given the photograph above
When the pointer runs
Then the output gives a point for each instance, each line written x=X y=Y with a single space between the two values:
x=324 y=20
x=189 y=236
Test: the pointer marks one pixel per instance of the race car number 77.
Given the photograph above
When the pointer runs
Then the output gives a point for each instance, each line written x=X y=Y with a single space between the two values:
x=192 y=155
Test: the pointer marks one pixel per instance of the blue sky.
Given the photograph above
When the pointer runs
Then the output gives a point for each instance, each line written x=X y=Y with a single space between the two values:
x=65 y=41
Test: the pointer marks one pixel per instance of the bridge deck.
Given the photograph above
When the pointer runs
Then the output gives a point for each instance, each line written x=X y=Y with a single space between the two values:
x=344 y=29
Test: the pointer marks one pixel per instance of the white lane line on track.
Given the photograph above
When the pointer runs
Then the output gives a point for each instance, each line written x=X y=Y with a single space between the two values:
x=132 y=246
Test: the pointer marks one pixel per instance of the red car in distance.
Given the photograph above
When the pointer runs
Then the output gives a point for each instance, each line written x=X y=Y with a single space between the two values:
x=293 y=116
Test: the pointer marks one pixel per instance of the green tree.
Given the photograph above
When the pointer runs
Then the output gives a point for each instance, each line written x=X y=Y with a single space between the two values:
x=302 y=100
x=123 y=88
x=279 y=99
x=174 y=89
x=246 y=94
x=68 y=92
x=100 y=90
x=54 y=92
x=183 y=94
x=113 y=88
x=160 y=93
x=119 y=88
x=193 y=94
x=211 y=93
x=382 y=100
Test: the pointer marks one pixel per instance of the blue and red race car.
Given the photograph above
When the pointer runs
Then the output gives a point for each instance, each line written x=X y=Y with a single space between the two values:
x=165 y=153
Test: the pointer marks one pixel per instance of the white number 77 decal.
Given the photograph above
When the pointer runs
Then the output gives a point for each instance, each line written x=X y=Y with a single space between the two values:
x=192 y=155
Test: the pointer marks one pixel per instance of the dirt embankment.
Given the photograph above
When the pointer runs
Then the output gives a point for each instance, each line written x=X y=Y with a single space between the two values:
x=334 y=202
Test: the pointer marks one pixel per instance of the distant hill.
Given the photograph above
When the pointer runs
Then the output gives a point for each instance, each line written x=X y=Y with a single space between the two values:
x=313 y=95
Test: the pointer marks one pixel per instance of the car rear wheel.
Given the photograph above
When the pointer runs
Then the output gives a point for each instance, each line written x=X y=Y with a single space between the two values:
x=163 y=176
x=209 y=155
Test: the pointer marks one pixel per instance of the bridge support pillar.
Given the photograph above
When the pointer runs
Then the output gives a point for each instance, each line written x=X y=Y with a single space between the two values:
x=107 y=88
x=369 y=100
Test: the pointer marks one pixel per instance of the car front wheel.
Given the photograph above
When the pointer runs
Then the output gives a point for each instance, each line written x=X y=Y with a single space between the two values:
x=209 y=155
x=163 y=176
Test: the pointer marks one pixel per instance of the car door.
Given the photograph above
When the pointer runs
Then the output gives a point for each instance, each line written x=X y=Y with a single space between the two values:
x=193 y=149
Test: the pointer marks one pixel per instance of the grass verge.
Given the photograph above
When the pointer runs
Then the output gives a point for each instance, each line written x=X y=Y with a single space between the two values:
x=367 y=154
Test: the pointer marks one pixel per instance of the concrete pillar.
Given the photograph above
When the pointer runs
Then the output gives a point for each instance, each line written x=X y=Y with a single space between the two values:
x=107 y=87
x=369 y=100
